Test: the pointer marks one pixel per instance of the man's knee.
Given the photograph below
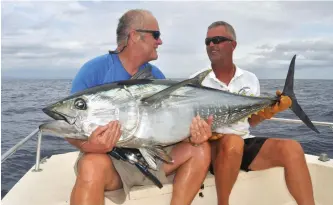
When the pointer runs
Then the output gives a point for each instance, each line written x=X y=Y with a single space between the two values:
x=94 y=167
x=291 y=150
x=231 y=145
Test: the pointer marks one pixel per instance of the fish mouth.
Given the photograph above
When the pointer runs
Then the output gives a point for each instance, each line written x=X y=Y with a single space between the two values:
x=59 y=116
x=60 y=128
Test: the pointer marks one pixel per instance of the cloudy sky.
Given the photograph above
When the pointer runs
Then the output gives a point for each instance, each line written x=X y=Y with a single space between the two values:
x=53 y=39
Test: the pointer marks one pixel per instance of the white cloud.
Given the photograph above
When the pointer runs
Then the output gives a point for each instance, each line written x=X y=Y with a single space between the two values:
x=51 y=36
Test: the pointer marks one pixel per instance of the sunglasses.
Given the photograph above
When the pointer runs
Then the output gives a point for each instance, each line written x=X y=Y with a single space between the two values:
x=216 y=40
x=156 y=34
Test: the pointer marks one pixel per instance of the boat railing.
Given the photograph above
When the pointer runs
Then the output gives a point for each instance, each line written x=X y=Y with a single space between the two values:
x=17 y=146
x=329 y=124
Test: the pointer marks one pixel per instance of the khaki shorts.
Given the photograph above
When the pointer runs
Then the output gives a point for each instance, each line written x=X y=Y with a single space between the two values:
x=131 y=176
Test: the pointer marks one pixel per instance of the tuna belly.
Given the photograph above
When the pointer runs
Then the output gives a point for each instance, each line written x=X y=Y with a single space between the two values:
x=165 y=126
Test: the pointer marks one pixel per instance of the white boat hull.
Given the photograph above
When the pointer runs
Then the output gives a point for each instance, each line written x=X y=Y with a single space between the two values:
x=54 y=183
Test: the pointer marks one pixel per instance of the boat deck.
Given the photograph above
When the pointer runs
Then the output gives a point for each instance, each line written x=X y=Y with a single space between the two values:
x=54 y=183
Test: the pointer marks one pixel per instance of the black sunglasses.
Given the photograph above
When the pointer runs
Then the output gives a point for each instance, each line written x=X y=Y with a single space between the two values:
x=216 y=40
x=156 y=34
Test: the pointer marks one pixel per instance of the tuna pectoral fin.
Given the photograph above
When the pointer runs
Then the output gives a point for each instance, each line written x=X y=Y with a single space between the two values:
x=145 y=73
x=288 y=90
x=150 y=159
x=150 y=154
x=166 y=92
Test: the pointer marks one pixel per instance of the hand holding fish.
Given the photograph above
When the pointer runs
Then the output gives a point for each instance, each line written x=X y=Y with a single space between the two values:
x=104 y=138
x=284 y=103
x=200 y=130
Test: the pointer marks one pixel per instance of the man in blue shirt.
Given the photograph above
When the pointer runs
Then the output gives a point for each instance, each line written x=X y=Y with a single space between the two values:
x=138 y=37
x=107 y=69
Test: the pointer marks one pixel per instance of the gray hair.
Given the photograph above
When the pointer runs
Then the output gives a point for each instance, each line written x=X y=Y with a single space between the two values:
x=228 y=27
x=132 y=19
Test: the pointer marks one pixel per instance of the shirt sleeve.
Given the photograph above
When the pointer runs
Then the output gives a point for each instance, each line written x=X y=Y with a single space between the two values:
x=89 y=75
x=81 y=80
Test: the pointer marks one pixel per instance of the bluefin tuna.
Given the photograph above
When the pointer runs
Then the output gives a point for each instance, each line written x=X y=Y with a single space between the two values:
x=156 y=113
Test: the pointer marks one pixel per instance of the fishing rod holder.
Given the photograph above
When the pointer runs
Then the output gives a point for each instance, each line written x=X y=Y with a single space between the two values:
x=323 y=157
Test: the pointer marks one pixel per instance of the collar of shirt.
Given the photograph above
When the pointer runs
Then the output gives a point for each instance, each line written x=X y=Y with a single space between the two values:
x=211 y=76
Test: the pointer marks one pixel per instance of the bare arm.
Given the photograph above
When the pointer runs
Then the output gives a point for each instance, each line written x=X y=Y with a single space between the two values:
x=86 y=146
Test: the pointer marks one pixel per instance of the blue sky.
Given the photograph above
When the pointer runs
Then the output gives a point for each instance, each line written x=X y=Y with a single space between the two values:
x=53 y=39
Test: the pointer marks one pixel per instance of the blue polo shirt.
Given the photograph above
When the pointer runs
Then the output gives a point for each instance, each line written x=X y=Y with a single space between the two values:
x=105 y=69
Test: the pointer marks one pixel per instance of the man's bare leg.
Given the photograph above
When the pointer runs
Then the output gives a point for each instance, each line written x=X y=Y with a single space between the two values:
x=96 y=174
x=227 y=155
x=191 y=166
x=290 y=155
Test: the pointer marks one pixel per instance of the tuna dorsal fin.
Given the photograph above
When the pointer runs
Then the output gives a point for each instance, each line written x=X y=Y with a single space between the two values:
x=145 y=73
x=196 y=80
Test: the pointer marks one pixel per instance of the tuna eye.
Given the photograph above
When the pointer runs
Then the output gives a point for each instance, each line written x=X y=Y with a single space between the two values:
x=80 y=104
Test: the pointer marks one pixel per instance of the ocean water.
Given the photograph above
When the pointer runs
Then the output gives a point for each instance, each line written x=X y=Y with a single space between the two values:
x=22 y=100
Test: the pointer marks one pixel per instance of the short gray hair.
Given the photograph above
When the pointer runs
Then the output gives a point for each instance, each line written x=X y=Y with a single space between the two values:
x=229 y=28
x=132 y=19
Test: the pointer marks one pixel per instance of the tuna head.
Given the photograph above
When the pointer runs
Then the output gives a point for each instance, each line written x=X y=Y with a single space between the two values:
x=89 y=110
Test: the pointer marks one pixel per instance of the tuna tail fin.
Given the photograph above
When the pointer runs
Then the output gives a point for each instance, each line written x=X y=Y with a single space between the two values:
x=288 y=90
